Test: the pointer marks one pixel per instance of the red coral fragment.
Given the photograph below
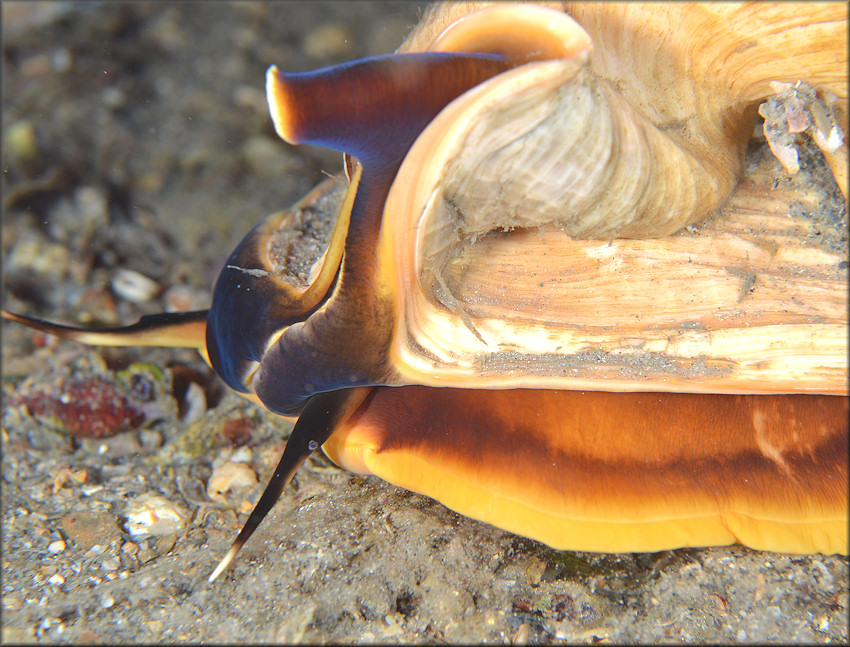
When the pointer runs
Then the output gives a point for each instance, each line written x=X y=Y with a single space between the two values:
x=92 y=408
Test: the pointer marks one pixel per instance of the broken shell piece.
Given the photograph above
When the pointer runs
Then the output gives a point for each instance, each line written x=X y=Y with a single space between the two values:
x=195 y=402
x=154 y=515
x=230 y=476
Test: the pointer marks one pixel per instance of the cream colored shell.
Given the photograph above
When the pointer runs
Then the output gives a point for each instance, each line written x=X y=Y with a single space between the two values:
x=507 y=218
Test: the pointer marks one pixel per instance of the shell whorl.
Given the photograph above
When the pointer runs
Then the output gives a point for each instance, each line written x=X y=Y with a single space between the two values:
x=646 y=140
x=561 y=147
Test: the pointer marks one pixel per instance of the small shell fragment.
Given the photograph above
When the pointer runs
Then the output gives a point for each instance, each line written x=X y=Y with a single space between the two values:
x=195 y=401
x=241 y=455
x=153 y=514
x=134 y=286
x=110 y=564
x=230 y=476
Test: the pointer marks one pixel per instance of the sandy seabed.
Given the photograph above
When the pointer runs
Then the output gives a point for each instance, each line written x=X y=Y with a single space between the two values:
x=136 y=138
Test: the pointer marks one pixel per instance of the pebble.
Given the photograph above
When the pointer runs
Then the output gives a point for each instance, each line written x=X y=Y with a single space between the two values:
x=24 y=17
x=20 y=140
x=62 y=60
x=57 y=547
x=393 y=630
x=146 y=555
x=741 y=636
x=37 y=256
x=165 y=545
x=150 y=439
x=11 y=603
x=153 y=514
x=49 y=623
x=110 y=564
x=56 y=580
x=106 y=601
x=93 y=205
x=36 y=65
x=75 y=219
x=521 y=635
x=247 y=96
x=826 y=579
x=113 y=98
x=719 y=604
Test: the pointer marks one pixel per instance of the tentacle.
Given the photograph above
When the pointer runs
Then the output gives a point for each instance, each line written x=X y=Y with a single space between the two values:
x=322 y=415
x=168 y=329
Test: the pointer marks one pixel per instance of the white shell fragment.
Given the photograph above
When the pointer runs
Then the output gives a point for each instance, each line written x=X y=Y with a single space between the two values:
x=56 y=547
x=196 y=402
x=154 y=515
x=230 y=476
x=134 y=286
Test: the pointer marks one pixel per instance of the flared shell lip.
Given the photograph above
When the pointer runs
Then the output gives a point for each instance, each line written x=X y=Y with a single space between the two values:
x=520 y=32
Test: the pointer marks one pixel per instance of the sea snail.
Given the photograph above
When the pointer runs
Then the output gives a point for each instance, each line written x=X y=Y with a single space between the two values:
x=504 y=165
